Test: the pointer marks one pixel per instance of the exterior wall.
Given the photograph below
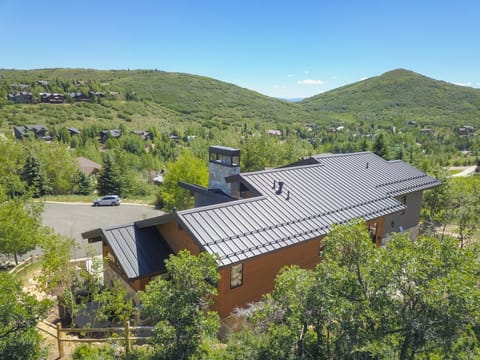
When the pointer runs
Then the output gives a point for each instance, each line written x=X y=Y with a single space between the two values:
x=177 y=239
x=259 y=275
x=405 y=220
x=217 y=172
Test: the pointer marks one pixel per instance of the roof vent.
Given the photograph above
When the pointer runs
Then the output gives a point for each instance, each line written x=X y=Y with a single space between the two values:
x=288 y=195
x=280 y=187
x=274 y=184
x=367 y=164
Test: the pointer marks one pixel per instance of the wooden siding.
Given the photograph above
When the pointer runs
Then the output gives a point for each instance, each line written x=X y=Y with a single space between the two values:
x=259 y=275
x=177 y=239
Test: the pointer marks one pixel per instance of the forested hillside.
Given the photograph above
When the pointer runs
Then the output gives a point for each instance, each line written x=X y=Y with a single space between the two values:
x=401 y=95
x=143 y=119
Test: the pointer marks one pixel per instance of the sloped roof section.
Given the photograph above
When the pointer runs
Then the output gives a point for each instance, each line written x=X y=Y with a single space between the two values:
x=308 y=202
x=139 y=251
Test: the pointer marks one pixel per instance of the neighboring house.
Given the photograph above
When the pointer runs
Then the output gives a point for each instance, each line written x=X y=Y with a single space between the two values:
x=258 y=222
x=39 y=131
x=78 y=96
x=144 y=134
x=466 y=130
x=73 y=131
x=21 y=97
x=52 y=98
x=87 y=166
x=99 y=94
x=113 y=133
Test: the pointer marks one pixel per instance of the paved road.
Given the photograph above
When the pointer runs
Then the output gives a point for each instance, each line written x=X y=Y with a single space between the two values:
x=71 y=219
x=466 y=171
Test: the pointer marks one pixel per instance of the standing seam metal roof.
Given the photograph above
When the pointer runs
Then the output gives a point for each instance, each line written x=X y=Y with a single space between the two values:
x=336 y=190
x=139 y=251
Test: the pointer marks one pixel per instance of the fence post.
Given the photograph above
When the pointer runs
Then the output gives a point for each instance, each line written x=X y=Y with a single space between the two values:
x=59 y=340
x=127 y=337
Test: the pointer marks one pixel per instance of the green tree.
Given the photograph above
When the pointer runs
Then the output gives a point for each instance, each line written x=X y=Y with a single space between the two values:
x=109 y=178
x=33 y=176
x=380 y=146
x=20 y=225
x=19 y=314
x=364 y=302
x=179 y=305
x=186 y=168
x=82 y=184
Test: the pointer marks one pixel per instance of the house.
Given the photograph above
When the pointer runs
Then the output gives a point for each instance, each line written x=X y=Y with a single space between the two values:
x=39 y=131
x=256 y=223
x=73 y=131
x=78 y=96
x=106 y=134
x=22 y=97
x=52 y=98
x=144 y=134
x=466 y=130
x=98 y=94
x=87 y=166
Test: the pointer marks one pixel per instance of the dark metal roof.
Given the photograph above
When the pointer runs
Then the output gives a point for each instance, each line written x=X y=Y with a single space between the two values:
x=139 y=251
x=337 y=189
x=224 y=150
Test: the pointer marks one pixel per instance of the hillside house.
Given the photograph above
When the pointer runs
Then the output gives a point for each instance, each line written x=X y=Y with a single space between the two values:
x=52 y=98
x=22 y=97
x=24 y=131
x=87 y=166
x=259 y=222
x=107 y=134
x=73 y=131
x=144 y=134
x=79 y=96
x=466 y=130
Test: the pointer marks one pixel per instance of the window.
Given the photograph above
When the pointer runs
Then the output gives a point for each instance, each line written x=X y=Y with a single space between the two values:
x=236 y=276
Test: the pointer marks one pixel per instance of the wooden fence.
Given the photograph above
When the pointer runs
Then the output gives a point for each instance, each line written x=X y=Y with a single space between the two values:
x=127 y=337
x=23 y=265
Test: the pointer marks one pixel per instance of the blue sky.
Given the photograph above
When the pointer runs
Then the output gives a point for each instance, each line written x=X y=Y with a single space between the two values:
x=278 y=48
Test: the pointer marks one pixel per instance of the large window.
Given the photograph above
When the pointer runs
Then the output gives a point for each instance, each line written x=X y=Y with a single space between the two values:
x=236 y=276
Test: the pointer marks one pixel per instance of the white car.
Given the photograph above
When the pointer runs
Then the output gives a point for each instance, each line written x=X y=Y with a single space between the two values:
x=107 y=200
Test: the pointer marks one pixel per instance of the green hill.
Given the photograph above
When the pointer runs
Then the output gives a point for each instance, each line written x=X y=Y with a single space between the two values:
x=144 y=97
x=401 y=95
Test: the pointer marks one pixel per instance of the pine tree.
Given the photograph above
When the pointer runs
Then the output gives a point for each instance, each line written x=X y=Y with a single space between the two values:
x=109 y=178
x=83 y=185
x=31 y=174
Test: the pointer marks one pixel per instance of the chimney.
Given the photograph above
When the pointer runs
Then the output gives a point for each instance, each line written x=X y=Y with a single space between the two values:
x=223 y=162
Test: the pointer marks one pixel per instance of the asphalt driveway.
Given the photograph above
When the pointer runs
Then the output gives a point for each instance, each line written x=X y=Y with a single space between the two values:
x=71 y=219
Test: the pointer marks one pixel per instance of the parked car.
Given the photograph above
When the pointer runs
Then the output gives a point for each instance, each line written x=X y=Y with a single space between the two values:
x=108 y=200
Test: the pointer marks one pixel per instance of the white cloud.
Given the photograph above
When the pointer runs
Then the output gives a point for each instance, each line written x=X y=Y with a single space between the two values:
x=311 y=82
x=364 y=78
x=469 y=84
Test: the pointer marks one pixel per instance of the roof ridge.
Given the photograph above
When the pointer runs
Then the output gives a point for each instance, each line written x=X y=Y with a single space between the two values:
x=221 y=205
